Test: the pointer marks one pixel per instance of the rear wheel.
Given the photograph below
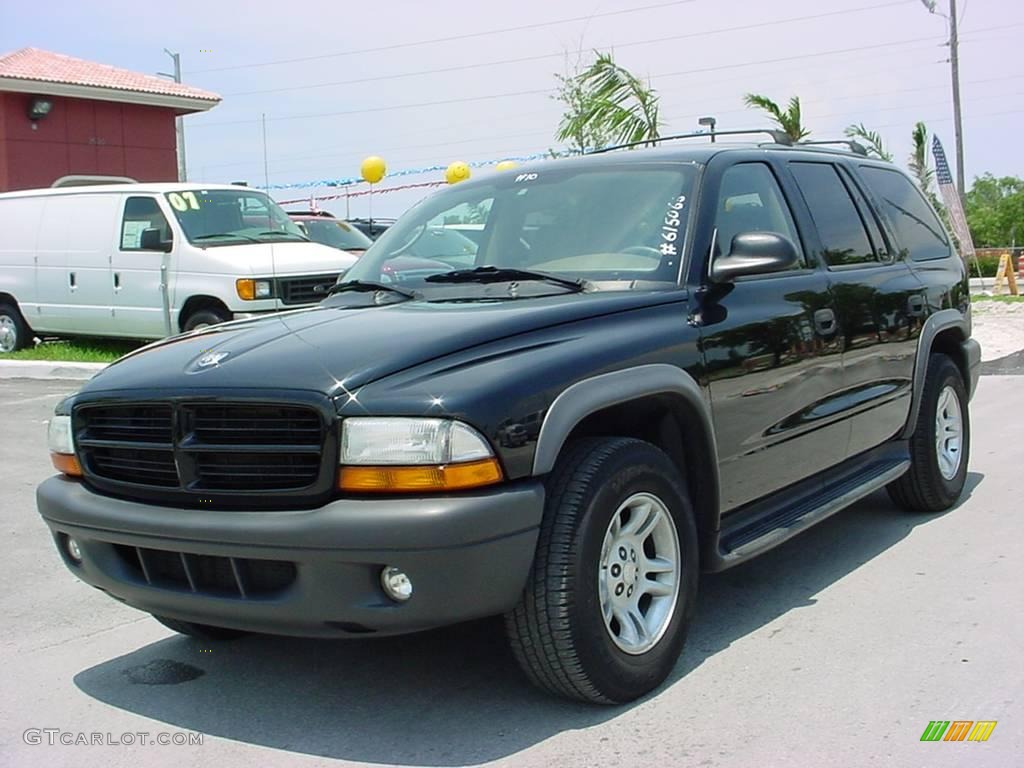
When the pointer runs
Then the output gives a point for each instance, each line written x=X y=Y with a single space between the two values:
x=199 y=631
x=14 y=331
x=203 y=318
x=611 y=593
x=941 y=443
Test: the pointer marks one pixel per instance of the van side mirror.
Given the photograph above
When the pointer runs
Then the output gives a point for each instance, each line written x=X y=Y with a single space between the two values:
x=755 y=253
x=150 y=241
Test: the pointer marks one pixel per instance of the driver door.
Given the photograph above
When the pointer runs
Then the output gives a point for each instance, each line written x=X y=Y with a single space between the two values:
x=772 y=350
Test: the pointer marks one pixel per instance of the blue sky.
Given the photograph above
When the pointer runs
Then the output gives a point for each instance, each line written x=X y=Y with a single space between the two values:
x=871 y=61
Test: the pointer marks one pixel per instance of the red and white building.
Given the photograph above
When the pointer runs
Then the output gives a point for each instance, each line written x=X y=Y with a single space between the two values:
x=65 y=120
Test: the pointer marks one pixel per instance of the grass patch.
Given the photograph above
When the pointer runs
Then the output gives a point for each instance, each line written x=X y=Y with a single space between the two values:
x=1002 y=299
x=77 y=351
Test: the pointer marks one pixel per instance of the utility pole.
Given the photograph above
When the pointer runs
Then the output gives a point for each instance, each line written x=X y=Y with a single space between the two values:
x=266 y=166
x=954 y=62
x=179 y=124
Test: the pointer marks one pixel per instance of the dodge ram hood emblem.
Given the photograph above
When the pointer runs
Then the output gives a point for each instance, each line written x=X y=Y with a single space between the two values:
x=211 y=359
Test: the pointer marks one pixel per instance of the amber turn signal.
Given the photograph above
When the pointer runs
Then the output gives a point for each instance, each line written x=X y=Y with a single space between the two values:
x=246 y=289
x=451 y=477
x=66 y=463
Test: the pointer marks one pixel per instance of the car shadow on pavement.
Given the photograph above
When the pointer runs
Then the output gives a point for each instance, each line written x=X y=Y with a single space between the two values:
x=452 y=697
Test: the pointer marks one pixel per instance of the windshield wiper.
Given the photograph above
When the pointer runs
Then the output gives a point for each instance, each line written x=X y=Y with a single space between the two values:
x=226 y=234
x=364 y=286
x=504 y=274
x=279 y=233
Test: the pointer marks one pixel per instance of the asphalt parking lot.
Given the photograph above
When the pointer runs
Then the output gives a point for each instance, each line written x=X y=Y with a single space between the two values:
x=835 y=649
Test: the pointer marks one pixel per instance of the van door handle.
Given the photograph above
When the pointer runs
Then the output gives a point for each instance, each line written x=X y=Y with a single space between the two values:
x=117 y=281
x=71 y=281
x=825 y=322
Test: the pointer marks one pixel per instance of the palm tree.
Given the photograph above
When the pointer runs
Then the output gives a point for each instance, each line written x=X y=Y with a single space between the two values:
x=611 y=102
x=871 y=139
x=789 y=121
x=918 y=162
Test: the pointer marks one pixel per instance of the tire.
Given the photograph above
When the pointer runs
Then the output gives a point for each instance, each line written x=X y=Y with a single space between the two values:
x=204 y=317
x=930 y=485
x=200 y=631
x=558 y=632
x=14 y=331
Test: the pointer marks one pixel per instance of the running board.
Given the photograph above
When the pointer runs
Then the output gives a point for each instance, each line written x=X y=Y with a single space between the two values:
x=768 y=524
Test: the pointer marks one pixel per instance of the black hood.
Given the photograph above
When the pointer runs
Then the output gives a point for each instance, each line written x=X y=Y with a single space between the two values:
x=329 y=347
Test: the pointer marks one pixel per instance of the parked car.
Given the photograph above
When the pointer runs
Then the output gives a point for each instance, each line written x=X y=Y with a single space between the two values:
x=327 y=230
x=91 y=261
x=663 y=361
x=372 y=228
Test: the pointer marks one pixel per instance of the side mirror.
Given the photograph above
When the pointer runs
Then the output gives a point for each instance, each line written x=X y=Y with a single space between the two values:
x=755 y=253
x=150 y=241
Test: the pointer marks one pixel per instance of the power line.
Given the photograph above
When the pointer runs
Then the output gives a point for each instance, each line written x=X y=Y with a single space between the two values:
x=448 y=39
x=540 y=57
x=492 y=96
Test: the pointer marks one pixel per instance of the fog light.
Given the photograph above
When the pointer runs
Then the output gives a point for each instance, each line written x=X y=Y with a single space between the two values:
x=396 y=584
x=74 y=551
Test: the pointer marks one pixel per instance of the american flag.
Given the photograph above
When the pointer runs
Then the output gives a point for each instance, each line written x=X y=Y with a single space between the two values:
x=952 y=200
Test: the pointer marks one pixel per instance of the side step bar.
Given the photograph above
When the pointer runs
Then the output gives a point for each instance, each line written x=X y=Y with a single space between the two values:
x=767 y=524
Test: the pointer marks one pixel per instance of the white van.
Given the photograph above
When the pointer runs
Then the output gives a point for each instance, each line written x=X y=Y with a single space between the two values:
x=90 y=261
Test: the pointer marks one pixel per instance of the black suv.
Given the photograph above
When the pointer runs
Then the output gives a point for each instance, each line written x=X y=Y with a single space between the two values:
x=662 y=361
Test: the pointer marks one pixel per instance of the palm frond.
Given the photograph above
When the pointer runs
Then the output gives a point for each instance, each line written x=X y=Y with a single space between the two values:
x=871 y=139
x=790 y=120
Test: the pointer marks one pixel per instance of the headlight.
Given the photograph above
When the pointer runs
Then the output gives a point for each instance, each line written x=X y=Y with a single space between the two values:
x=62 y=446
x=249 y=289
x=405 y=454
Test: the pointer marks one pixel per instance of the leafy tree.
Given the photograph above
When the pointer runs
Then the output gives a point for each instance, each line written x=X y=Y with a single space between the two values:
x=872 y=141
x=606 y=103
x=790 y=120
x=995 y=210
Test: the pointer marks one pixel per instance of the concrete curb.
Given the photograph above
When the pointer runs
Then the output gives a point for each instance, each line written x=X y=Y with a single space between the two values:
x=48 y=369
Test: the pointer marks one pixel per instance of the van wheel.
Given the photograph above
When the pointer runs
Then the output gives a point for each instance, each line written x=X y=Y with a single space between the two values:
x=14 y=331
x=199 y=631
x=613 y=585
x=204 y=318
x=941 y=444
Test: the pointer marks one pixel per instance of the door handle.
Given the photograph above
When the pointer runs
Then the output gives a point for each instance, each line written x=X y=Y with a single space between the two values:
x=71 y=281
x=915 y=305
x=825 y=322
x=117 y=281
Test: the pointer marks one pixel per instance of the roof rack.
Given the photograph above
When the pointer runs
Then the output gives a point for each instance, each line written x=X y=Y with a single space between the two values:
x=856 y=147
x=779 y=137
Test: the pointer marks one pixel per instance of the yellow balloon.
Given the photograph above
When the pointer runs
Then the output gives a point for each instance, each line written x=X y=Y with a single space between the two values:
x=373 y=169
x=506 y=165
x=456 y=172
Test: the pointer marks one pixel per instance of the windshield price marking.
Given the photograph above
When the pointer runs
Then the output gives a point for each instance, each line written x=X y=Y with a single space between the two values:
x=184 y=201
x=670 y=228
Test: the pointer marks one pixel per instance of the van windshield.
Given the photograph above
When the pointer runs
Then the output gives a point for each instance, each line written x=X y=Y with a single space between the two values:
x=211 y=217
x=614 y=225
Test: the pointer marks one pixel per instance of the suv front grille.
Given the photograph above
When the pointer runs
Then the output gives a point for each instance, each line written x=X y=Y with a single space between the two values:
x=197 y=448
x=305 y=290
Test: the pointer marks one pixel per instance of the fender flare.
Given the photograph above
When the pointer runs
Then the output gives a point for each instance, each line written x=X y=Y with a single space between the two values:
x=589 y=395
x=937 y=322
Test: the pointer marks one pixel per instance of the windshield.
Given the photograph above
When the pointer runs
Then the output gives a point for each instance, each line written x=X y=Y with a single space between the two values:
x=228 y=217
x=337 y=234
x=614 y=226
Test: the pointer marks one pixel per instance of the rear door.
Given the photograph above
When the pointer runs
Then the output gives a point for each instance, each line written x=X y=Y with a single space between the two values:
x=135 y=274
x=880 y=302
x=771 y=348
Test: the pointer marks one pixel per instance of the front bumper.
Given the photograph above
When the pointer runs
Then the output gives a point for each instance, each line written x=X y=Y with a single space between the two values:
x=467 y=556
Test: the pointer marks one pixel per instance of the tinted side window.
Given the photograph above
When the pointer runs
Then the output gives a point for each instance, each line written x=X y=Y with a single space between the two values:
x=141 y=213
x=839 y=224
x=913 y=221
x=750 y=200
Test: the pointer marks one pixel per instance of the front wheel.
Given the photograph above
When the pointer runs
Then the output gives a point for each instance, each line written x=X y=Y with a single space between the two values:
x=940 y=445
x=204 y=318
x=611 y=593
